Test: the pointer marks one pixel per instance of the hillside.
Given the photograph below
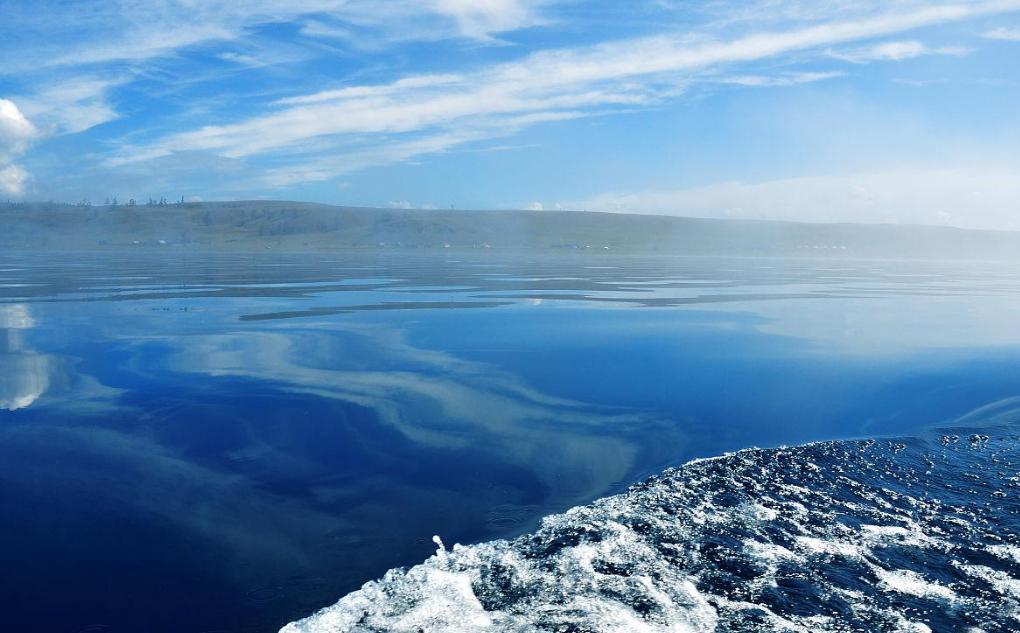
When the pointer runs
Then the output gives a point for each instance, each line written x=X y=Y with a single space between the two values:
x=297 y=226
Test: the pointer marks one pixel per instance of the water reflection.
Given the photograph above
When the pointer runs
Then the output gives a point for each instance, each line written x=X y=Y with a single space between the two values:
x=284 y=428
x=438 y=400
x=24 y=373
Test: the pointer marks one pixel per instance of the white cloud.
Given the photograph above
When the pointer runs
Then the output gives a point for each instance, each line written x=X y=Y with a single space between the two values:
x=77 y=34
x=919 y=83
x=354 y=92
x=69 y=107
x=387 y=153
x=368 y=25
x=318 y=136
x=1002 y=33
x=16 y=135
x=72 y=105
x=12 y=180
x=320 y=29
x=480 y=18
x=536 y=206
x=510 y=147
x=969 y=198
x=451 y=109
x=242 y=59
x=139 y=46
x=16 y=131
x=786 y=79
x=896 y=51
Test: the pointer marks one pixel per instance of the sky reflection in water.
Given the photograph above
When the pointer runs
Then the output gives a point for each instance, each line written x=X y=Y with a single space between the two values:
x=227 y=443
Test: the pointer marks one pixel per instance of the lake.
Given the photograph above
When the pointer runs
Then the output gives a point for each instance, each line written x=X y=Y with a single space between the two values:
x=203 y=444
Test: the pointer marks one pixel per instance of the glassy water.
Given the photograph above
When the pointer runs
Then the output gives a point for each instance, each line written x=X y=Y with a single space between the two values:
x=198 y=444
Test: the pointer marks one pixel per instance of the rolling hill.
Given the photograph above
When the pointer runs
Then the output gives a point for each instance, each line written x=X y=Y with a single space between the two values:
x=296 y=226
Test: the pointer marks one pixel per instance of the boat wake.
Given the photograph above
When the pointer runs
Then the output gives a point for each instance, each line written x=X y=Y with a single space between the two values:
x=912 y=535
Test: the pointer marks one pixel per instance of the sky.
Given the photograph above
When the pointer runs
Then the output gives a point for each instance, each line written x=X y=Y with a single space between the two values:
x=897 y=111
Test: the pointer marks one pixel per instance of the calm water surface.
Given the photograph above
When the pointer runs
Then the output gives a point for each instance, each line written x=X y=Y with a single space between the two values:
x=199 y=444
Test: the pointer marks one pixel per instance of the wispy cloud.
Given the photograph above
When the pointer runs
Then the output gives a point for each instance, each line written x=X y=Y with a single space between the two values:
x=141 y=46
x=896 y=51
x=138 y=30
x=355 y=92
x=70 y=57
x=451 y=109
x=784 y=79
x=377 y=154
x=67 y=108
x=1003 y=33
x=919 y=83
x=277 y=93
x=481 y=18
x=72 y=105
x=370 y=25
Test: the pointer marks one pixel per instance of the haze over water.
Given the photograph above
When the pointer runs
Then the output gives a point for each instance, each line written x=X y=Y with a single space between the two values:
x=227 y=443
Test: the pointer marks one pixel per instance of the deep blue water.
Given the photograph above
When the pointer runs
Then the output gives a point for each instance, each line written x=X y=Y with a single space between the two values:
x=198 y=444
x=912 y=535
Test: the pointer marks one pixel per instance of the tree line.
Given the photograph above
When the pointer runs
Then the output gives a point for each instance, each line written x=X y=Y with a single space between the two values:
x=152 y=202
x=87 y=203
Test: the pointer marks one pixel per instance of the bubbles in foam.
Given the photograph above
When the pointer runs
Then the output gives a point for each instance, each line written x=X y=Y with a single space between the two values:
x=845 y=536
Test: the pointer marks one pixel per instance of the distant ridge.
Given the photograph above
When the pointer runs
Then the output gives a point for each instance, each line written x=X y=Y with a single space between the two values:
x=258 y=225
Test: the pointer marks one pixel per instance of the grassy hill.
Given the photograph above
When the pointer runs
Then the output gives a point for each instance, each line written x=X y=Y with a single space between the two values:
x=296 y=226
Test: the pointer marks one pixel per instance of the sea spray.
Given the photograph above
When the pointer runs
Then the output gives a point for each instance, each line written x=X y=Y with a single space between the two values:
x=909 y=535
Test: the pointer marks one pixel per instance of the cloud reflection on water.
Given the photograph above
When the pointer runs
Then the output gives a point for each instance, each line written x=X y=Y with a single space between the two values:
x=434 y=398
x=24 y=373
x=333 y=444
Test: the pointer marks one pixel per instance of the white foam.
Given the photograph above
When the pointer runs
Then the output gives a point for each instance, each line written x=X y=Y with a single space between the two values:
x=825 y=546
x=1006 y=552
x=768 y=552
x=1003 y=582
x=659 y=559
x=911 y=583
x=911 y=536
x=438 y=596
x=906 y=626
x=439 y=601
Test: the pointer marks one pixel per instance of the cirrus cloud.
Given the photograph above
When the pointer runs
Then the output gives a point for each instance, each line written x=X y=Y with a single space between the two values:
x=544 y=85
x=896 y=51
x=1003 y=33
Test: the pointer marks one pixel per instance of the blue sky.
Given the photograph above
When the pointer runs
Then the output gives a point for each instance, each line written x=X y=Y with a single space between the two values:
x=823 y=110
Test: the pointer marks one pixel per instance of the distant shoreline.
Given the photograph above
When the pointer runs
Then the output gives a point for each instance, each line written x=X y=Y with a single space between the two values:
x=293 y=227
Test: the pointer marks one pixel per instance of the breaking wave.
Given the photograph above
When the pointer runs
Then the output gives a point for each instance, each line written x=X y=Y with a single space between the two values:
x=914 y=535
